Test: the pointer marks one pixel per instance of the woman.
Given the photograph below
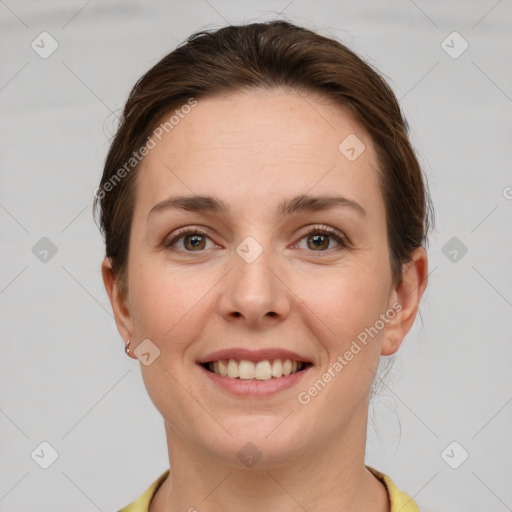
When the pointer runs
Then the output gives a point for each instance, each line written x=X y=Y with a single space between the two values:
x=265 y=221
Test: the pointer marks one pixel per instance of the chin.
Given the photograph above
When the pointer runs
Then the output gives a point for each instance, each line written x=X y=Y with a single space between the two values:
x=259 y=442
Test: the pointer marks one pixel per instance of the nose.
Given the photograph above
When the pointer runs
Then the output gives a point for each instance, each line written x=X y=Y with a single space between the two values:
x=254 y=292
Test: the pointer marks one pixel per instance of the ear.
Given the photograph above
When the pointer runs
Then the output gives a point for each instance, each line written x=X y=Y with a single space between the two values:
x=120 y=305
x=406 y=298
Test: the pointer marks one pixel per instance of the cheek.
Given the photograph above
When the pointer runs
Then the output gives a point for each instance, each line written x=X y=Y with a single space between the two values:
x=169 y=308
x=345 y=300
x=343 y=307
x=167 y=303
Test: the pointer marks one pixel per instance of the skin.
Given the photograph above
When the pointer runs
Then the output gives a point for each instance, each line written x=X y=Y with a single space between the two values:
x=252 y=150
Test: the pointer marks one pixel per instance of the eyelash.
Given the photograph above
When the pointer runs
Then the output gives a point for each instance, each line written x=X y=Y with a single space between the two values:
x=338 y=237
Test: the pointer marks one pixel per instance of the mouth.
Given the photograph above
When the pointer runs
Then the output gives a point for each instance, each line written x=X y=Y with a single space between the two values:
x=263 y=370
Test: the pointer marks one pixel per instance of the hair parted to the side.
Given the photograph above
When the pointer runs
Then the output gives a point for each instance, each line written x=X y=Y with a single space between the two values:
x=276 y=54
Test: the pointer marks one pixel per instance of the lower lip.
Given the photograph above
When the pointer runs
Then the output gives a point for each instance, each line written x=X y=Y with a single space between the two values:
x=253 y=387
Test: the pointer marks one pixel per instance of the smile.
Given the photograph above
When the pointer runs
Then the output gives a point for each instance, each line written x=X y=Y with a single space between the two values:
x=255 y=370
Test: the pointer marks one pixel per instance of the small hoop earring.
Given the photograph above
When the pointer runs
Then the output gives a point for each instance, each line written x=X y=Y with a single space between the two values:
x=127 y=348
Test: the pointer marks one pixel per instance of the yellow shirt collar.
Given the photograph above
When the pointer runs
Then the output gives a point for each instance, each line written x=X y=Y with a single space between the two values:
x=399 y=500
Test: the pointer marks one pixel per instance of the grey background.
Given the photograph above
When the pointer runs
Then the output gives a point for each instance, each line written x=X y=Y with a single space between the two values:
x=64 y=377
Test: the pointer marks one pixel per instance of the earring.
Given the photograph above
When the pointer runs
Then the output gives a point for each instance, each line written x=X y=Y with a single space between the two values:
x=127 y=348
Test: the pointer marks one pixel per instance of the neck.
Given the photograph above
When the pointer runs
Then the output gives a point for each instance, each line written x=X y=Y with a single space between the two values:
x=332 y=476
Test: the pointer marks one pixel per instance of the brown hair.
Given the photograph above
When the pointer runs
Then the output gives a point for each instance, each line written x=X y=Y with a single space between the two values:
x=267 y=55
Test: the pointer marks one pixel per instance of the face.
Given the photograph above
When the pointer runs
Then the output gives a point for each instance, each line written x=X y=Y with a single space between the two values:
x=285 y=258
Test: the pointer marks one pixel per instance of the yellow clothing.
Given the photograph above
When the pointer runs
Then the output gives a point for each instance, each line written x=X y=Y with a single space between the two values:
x=399 y=500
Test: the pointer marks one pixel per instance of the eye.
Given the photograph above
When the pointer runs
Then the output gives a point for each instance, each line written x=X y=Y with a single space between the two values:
x=319 y=238
x=188 y=239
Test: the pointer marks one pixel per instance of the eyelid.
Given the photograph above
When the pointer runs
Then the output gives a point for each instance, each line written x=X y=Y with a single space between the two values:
x=340 y=237
x=184 y=231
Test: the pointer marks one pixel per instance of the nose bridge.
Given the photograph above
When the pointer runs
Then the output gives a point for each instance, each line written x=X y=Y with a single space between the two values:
x=253 y=291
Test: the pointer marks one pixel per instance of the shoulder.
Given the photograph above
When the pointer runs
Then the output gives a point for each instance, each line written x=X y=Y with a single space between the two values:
x=141 y=504
x=399 y=500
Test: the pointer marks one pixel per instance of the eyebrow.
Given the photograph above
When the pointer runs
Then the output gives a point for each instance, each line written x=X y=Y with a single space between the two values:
x=296 y=205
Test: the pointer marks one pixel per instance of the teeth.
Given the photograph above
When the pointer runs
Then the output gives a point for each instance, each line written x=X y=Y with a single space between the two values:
x=262 y=370
x=287 y=367
x=277 y=368
x=223 y=368
x=246 y=369
x=233 y=369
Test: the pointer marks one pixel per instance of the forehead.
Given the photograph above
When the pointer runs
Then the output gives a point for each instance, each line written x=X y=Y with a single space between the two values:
x=258 y=145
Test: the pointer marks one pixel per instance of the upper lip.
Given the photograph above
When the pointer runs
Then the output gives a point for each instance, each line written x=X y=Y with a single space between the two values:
x=252 y=355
